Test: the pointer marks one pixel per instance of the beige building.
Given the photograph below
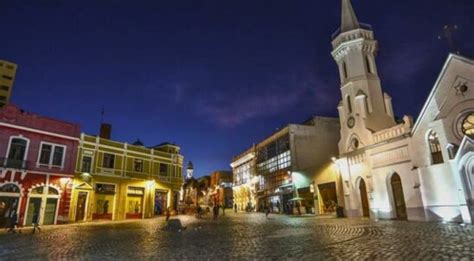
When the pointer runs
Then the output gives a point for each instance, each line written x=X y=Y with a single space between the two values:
x=7 y=77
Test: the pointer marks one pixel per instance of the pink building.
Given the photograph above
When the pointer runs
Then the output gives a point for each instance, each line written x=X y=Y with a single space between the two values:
x=37 y=161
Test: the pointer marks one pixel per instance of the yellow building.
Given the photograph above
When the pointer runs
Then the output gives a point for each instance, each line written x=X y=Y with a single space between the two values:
x=7 y=77
x=116 y=181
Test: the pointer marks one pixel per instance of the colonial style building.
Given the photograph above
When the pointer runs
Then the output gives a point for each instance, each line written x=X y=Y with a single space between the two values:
x=37 y=168
x=279 y=172
x=116 y=180
x=403 y=170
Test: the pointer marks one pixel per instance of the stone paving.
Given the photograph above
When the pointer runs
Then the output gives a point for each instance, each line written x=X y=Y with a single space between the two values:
x=245 y=236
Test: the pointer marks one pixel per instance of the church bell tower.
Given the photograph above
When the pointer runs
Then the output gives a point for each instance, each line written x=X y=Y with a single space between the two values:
x=364 y=107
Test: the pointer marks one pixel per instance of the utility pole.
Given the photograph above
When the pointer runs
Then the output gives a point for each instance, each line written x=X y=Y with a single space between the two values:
x=447 y=34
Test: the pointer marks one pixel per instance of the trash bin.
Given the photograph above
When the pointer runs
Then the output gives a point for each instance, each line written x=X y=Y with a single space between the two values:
x=340 y=212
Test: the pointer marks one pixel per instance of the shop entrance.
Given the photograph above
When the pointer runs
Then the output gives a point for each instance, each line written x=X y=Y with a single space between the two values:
x=135 y=202
x=328 y=198
x=43 y=201
x=398 y=197
x=161 y=202
x=81 y=206
x=363 y=198
x=104 y=201
x=9 y=199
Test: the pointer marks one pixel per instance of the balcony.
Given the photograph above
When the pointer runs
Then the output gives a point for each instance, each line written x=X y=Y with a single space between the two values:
x=14 y=164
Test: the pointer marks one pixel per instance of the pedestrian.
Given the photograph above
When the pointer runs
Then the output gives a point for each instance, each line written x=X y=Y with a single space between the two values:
x=35 y=222
x=271 y=206
x=215 y=211
x=13 y=222
x=278 y=206
x=223 y=209
x=235 y=207
x=199 y=211
x=267 y=212
x=168 y=214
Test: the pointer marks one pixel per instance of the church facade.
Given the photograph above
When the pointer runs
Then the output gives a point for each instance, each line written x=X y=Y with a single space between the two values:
x=405 y=170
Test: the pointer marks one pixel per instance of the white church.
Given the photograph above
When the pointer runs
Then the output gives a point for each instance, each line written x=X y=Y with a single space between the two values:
x=421 y=170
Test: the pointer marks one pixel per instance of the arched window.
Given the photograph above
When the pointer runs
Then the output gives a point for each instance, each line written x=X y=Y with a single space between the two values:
x=344 y=70
x=368 y=64
x=435 y=148
x=468 y=125
x=349 y=104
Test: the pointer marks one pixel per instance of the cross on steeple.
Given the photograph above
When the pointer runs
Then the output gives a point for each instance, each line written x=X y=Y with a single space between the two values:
x=447 y=34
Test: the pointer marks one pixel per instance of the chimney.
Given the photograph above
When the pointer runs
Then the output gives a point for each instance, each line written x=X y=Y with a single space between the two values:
x=105 y=130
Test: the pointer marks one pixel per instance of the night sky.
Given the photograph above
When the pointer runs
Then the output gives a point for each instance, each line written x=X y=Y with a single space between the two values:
x=213 y=76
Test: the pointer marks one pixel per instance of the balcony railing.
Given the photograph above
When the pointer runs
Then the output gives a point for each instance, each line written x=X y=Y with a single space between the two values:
x=14 y=163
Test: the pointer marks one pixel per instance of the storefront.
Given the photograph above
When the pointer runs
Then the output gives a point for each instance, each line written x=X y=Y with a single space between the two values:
x=161 y=202
x=9 y=202
x=43 y=201
x=104 y=201
x=134 y=206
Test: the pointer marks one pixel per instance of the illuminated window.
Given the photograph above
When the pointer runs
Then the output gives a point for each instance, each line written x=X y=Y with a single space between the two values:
x=138 y=165
x=435 y=148
x=468 y=125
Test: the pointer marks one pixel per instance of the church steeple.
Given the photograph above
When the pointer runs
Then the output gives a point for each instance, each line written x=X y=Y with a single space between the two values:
x=364 y=108
x=349 y=20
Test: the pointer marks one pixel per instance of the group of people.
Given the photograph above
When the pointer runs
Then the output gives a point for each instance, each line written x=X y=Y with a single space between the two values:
x=215 y=210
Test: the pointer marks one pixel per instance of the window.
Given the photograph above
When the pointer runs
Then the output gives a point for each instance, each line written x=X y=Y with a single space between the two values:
x=138 y=165
x=86 y=164
x=344 y=70
x=355 y=143
x=468 y=125
x=17 y=149
x=109 y=161
x=163 y=169
x=367 y=63
x=4 y=88
x=435 y=148
x=51 y=154
x=349 y=104
x=7 y=77
x=107 y=189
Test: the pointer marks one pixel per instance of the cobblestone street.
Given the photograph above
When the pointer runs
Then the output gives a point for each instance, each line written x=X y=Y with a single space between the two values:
x=245 y=236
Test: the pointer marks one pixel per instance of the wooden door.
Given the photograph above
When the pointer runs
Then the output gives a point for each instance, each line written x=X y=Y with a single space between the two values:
x=81 y=206
x=364 y=199
x=398 y=197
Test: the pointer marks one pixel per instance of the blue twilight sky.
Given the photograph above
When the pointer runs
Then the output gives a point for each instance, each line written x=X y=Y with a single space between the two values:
x=212 y=76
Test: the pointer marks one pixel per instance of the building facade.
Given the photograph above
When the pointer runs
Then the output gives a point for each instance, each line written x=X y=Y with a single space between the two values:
x=7 y=78
x=221 y=188
x=283 y=168
x=245 y=180
x=116 y=180
x=402 y=170
x=36 y=167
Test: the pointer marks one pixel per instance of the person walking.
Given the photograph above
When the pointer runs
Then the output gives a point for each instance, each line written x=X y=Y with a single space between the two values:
x=235 y=207
x=35 y=222
x=215 y=211
x=267 y=212
x=13 y=222
x=168 y=214
x=223 y=209
x=199 y=211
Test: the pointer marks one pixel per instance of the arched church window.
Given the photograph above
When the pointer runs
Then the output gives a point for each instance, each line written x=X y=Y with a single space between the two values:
x=468 y=125
x=349 y=104
x=368 y=65
x=435 y=148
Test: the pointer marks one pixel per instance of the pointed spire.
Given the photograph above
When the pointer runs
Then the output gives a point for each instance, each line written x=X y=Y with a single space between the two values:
x=348 y=18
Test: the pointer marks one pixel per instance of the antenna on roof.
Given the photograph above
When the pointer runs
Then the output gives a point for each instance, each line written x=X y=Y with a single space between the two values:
x=102 y=112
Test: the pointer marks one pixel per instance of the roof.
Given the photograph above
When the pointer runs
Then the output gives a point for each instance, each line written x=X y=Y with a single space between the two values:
x=349 y=20
x=437 y=85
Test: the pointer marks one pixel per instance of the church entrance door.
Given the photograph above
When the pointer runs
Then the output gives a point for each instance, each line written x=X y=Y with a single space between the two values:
x=398 y=197
x=363 y=198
